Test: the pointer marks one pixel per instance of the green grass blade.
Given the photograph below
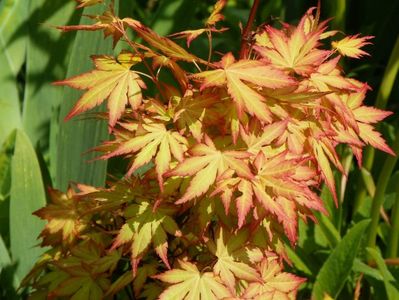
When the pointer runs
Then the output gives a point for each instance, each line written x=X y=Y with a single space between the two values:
x=361 y=267
x=389 y=281
x=76 y=136
x=328 y=229
x=299 y=261
x=5 y=184
x=379 y=195
x=393 y=242
x=46 y=61
x=5 y=259
x=336 y=269
x=383 y=95
x=8 y=280
x=13 y=15
x=27 y=195
x=12 y=54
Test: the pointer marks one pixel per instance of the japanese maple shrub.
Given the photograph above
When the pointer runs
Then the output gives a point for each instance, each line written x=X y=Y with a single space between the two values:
x=221 y=163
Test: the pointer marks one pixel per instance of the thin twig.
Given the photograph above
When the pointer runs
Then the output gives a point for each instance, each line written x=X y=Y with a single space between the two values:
x=246 y=34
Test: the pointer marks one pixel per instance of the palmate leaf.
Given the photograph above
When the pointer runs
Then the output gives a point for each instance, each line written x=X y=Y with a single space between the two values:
x=364 y=117
x=191 y=112
x=156 y=141
x=82 y=274
x=145 y=224
x=275 y=283
x=189 y=283
x=63 y=215
x=228 y=249
x=108 y=22
x=233 y=75
x=165 y=45
x=328 y=77
x=216 y=15
x=280 y=187
x=296 y=50
x=281 y=184
x=113 y=80
x=206 y=164
x=350 y=45
x=210 y=23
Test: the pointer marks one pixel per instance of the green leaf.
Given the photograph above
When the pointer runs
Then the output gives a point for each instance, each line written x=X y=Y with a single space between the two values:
x=368 y=181
x=299 y=260
x=391 y=286
x=5 y=259
x=329 y=230
x=76 y=137
x=8 y=280
x=337 y=267
x=12 y=54
x=13 y=15
x=27 y=195
x=5 y=185
x=361 y=267
x=46 y=61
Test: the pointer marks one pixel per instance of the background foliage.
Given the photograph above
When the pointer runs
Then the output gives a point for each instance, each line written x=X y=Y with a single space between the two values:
x=39 y=149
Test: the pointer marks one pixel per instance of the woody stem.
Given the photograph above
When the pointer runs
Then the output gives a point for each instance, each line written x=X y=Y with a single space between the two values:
x=246 y=34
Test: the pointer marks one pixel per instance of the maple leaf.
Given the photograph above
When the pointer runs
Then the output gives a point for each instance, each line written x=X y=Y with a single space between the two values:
x=296 y=50
x=191 y=35
x=373 y=138
x=216 y=16
x=191 y=111
x=328 y=76
x=350 y=45
x=275 y=283
x=147 y=223
x=233 y=74
x=269 y=134
x=165 y=45
x=228 y=250
x=206 y=164
x=64 y=218
x=210 y=23
x=365 y=116
x=83 y=274
x=146 y=145
x=110 y=24
x=189 y=283
x=278 y=185
x=113 y=80
x=85 y=3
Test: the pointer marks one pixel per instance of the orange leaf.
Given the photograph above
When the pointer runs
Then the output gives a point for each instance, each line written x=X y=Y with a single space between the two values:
x=350 y=45
x=233 y=75
x=206 y=165
x=113 y=80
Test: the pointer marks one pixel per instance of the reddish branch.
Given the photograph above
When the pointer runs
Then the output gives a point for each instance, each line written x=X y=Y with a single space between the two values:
x=246 y=35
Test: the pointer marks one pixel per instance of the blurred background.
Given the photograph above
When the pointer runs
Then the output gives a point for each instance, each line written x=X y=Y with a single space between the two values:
x=38 y=149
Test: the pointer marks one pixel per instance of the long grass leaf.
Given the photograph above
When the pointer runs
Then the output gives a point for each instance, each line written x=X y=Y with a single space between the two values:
x=46 y=61
x=76 y=137
x=13 y=14
x=27 y=195
x=336 y=269
x=391 y=288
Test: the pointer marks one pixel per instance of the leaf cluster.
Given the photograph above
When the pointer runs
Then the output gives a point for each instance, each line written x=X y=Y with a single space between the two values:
x=221 y=163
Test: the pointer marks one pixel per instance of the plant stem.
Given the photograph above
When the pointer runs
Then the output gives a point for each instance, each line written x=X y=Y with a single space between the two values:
x=246 y=34
x=381 y=102
x=378 y=200
x=340 y=10
x=392 y=250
